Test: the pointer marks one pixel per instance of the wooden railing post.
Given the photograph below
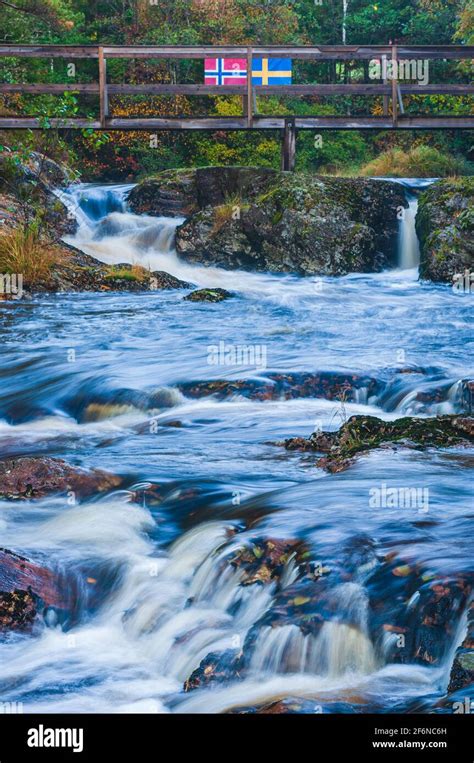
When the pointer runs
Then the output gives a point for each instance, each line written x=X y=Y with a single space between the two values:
x=394 y=86
x=385 y=99
x=288 y=153
x=249 y=87
x=103 y=96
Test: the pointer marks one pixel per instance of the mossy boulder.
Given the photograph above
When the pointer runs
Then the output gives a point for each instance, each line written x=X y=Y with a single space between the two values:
x=28 y=186
x=445 y=227
x=208 y=295
x=265 y=220
x=361 y=434
x=183 y=192
x=172 y=193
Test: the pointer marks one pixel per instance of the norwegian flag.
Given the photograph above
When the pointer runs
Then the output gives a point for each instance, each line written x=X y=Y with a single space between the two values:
x=225 y=71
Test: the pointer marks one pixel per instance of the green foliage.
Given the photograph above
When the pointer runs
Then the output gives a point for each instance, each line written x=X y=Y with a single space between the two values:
x=191 y=22
x=332 y=151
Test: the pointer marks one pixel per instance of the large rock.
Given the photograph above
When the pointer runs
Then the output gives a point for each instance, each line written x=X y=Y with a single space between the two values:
x=28 y=188
x=26 y=478
x=445 y=227
x=26 y=589
x=360 y=434
x=181 y=193
x=264 y=220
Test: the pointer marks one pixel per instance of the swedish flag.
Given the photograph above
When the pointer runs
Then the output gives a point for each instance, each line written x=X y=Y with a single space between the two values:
x=271 y=71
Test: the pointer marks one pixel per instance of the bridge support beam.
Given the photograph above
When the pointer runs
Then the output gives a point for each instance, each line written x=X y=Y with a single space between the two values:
x=288 y=150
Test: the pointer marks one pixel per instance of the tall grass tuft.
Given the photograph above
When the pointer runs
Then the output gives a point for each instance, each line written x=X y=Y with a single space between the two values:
x=22 y=252
x=420 y=161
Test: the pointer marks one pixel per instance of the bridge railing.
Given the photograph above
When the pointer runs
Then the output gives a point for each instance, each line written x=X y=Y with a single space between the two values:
x=391 y=91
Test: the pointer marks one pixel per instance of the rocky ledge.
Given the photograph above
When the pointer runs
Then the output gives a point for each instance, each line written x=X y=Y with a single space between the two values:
x=26 y=589
x=360 y=434
x=33 y=221
x=25 y=478
x=265 y=220
x=445 y=227
x=74 y=271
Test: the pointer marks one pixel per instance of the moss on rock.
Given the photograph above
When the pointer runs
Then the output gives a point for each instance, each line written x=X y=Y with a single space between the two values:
x=208 y=295
x=445 y=227
x=360 y=434
x=264 y=220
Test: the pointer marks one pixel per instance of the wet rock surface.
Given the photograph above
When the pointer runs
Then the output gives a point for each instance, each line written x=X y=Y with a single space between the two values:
x=216 y=668
x=286 y=386
x=26 y=478
x=25 y=590
x=445 y=227
x=364 y=433
x=264 y=220
x=208 y=295
x=367 y=608
x=418 y=622
x=264 y=560
x=462 y=671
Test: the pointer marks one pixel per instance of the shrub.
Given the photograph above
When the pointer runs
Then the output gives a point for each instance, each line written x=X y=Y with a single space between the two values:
x=421 y=161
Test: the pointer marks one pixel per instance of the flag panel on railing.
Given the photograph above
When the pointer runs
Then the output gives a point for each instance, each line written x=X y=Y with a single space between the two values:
x=225 y=71
x=271 y=71
x=233 y=71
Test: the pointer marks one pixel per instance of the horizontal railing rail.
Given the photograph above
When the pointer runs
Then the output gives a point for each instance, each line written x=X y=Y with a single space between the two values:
x=391 y=91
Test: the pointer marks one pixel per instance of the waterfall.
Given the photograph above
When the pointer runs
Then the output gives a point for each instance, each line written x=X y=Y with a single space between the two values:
x=87 y=202
x=341 y=646
x=111 y=234
x=408 y=244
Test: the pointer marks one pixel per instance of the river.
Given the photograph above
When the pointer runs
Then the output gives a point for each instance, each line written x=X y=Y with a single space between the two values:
x=155 y=593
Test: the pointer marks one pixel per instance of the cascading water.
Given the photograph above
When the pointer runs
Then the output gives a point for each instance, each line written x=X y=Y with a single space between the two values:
x=408 y=247
x=408 y=244
x=173 y=570
x=109 y=233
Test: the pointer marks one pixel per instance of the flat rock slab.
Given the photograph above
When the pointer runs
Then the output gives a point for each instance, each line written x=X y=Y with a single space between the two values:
x=26 y=478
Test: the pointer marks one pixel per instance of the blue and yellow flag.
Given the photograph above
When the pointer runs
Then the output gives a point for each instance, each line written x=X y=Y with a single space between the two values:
x=271 y=71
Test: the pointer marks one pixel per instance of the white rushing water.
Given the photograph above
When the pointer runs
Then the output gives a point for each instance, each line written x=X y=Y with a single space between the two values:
x=110 y=233
x=156 y=587
x=408 y=244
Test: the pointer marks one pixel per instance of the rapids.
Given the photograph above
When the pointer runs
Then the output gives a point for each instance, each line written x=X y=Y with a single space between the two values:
x=99 y=379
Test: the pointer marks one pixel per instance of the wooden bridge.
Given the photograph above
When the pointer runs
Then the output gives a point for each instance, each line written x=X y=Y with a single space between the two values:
x=392 y=91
